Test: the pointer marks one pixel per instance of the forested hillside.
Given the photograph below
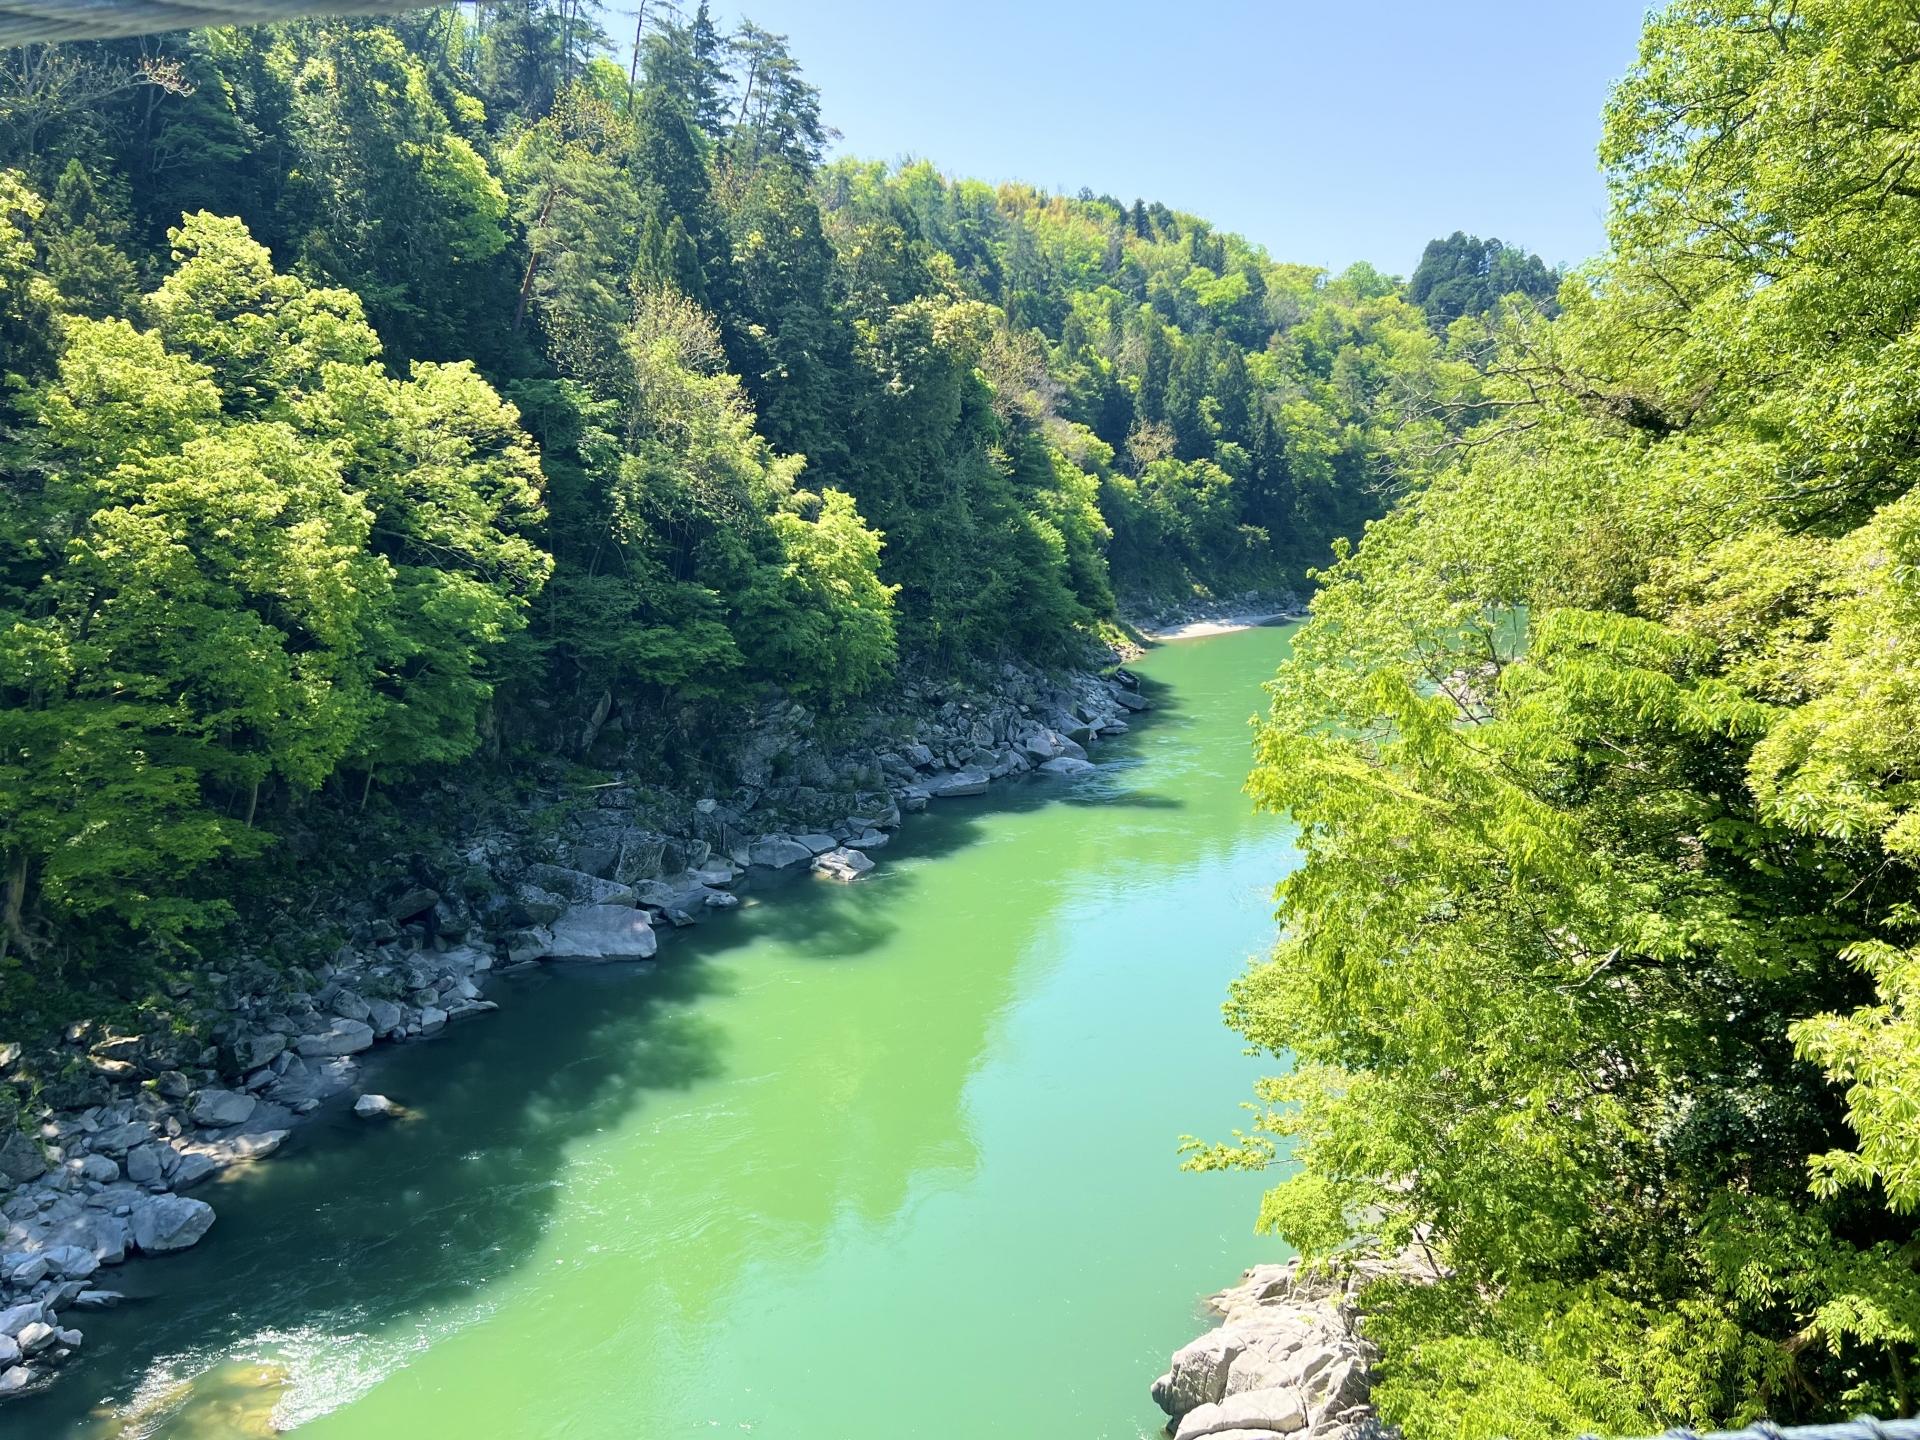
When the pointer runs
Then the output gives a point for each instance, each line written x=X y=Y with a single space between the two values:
x=380 y=394
x=1601 y=967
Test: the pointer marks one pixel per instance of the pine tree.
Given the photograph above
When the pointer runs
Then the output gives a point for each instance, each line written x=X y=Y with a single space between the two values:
x=81 y=244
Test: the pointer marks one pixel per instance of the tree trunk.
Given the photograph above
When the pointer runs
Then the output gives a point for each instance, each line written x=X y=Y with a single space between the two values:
x=533 y=261
x=16 y=905
x=633 y=70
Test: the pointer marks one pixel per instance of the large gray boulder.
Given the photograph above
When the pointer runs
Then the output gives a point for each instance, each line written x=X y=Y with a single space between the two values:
x=777 y=852
x=21 y=1158
x=1066 y=766
x=1198 y=1375
x=1277 y=1359
x=169 y=1222
x=578 y=886
x=119 y=1139
x=343 y=1037
x=602 y=932
x=218 y=1108
x=842 y=864
x=257 y=1050
x=1279 y=1411
x=968 y=781
x=16 y=1319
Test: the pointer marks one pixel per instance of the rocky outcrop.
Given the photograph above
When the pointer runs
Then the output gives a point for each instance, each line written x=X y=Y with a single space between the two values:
x=1289 y=1357
x=602 y=932
x=842 y=864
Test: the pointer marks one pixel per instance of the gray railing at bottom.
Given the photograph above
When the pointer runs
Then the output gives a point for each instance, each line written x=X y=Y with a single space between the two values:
x=35 y=22
x=1864 y=1428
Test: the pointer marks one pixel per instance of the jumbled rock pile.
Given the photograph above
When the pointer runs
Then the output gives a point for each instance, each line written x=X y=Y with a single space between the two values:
x=1288 y=1358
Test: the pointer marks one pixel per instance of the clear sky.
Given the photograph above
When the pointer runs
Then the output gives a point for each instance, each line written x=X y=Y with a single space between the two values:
x=1326 y=132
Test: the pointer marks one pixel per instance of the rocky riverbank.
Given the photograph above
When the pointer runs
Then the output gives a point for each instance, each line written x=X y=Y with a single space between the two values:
x=1214 y=615
x=122 y=1124
x=1289 y=1357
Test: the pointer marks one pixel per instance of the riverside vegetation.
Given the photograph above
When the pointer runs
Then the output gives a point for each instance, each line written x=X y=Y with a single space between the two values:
x=1600 y=971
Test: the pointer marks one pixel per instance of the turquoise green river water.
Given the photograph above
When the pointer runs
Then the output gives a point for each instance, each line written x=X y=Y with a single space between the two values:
x=849 y=1163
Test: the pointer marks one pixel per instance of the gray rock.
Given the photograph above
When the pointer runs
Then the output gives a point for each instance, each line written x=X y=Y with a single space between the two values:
x=413 y=902
x=375 y=1107
x=350 y=1006
x=603 y=932
x=99 y=1169
x=119 y=1139
x=145 y=1164
x=816 y=842
x=529 y=944
x=36 y=1337
x=97 y=1299
x=238 y=1149
x=169 y=1222
x=1066 y=765
x=640 y=858
x=578 y=886
x=777 y=852
x=842 y=864
x=967 y=781
x=70 y=1262
x=192 y=1169
x=220 y=1108
x=28 y=1273
x=18 y=1317
x=343 y=1037
x=14 y=1379
x=21 y=1158
x=596 y=859
x=537 y=907
x=1274 y=1411
x=9 y=1350
x=1130 y=700
x=257 y=1050
x=432 y=1017
x=1199 y=1373
x=385 y=1016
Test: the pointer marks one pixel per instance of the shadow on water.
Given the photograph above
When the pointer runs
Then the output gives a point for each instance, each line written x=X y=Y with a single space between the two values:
x=357 y=1231
x=354 y=1228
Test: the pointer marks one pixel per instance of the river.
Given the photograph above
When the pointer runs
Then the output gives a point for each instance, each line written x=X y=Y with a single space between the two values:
x=849 y=1163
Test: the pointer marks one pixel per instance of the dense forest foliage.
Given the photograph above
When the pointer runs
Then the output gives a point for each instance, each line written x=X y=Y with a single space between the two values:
x=1602 y=970
x=381 y=393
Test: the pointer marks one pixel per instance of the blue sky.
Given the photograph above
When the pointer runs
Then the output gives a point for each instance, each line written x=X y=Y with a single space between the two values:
x=1326 y=132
